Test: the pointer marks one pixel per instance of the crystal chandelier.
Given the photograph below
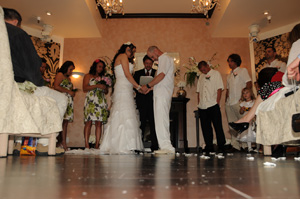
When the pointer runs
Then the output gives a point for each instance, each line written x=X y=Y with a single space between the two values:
x=203 y=6
x=111 y=6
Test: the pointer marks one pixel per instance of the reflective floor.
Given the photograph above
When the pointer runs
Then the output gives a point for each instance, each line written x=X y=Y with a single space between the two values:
x=148 y=176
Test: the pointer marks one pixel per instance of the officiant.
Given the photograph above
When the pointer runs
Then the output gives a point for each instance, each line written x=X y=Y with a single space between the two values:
x=145 y=102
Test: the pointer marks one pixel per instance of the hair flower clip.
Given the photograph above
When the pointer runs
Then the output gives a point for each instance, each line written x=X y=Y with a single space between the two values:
x=128 y=43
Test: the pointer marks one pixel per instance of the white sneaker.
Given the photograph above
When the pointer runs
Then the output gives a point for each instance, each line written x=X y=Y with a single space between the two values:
x=164 y=151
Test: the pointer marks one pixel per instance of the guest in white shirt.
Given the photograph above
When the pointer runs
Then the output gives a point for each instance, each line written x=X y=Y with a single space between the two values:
x=163 y=84
x=209 y=92
x=236 y=81
x=270 y=55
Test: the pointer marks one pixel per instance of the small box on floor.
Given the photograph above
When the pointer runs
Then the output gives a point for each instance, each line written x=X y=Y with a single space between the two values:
x=28 y=146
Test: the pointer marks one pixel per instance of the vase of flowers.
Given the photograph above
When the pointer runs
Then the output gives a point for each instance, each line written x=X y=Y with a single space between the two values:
x=181 y=92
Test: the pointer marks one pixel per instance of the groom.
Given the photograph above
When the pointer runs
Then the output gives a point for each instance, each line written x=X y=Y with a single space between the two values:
x=163 y=84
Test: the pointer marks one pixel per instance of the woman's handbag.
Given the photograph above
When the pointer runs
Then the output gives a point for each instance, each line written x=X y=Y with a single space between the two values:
x=296 y=122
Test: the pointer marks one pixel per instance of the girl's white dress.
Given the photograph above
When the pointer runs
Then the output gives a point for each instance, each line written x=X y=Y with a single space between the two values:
x=248 y=135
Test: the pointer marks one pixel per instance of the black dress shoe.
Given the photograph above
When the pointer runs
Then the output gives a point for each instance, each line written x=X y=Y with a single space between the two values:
x=208 y=150
x=221 y=149
x=279 y=151
x=239 y=127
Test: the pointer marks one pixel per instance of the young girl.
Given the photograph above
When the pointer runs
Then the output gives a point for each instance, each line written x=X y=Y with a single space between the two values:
x=246 y=102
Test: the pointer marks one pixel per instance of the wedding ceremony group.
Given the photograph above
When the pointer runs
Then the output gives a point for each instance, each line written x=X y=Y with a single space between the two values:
x=115 y=102
x=144 y=97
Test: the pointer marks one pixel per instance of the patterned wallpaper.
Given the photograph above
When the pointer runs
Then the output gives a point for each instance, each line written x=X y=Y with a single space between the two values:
x=50 y=51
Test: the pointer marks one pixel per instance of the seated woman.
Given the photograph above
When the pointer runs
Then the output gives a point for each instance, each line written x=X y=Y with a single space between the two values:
x=269 y=81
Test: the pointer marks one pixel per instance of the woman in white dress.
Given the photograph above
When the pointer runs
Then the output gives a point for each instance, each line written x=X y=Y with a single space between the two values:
x=122 y=134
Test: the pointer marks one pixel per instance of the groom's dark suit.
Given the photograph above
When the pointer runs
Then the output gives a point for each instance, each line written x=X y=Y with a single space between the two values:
x=145 y=106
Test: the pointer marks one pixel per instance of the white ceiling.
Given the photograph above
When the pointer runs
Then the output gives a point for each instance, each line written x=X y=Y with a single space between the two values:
x=73 y=18
x=70 y=18
x=240 y=14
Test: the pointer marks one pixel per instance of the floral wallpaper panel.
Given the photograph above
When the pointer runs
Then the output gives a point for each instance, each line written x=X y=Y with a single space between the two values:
x=50 y=51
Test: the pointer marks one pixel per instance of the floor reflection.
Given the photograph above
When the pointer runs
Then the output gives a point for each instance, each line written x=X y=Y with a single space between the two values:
x=147 y=176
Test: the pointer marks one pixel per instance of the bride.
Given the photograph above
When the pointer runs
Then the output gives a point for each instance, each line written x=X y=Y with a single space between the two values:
x=122 y=134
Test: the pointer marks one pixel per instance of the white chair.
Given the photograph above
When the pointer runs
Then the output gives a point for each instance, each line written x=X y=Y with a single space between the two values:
x=21 y=113
x=275 y=126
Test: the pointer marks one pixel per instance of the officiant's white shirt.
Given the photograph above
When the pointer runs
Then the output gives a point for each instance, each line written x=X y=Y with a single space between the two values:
x=165 y=87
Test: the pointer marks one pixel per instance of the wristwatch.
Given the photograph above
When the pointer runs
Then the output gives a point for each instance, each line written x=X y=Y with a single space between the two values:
x=148 y=86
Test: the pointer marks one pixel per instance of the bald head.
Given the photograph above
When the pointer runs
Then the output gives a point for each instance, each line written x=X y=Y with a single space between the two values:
x=153 y=52
x=152 y=48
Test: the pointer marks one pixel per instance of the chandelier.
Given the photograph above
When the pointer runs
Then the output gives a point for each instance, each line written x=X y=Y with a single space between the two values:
x=203 y=6
x=111 y=6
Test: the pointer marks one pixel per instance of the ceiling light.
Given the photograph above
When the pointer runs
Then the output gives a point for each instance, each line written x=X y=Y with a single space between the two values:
x=38 y=19
x=111 y=6
x=268 y=15
x=203 y=6
x=48 y=13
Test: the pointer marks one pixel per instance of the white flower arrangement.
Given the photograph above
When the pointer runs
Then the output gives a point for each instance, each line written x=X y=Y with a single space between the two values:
x=192 y=71
x=181 y=84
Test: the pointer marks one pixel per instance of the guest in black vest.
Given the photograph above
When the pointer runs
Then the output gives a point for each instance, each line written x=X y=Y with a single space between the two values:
x=145 y=102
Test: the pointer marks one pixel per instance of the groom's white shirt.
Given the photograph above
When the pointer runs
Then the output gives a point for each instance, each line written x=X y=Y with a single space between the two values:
x=165 y=87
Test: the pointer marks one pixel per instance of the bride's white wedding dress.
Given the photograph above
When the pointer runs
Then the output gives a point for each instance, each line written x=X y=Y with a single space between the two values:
x=122 y=133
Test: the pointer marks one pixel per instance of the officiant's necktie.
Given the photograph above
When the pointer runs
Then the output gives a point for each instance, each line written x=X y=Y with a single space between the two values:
x=147 y=73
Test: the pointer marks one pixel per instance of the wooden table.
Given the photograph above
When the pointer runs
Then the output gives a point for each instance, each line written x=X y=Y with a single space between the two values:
x=178 y=123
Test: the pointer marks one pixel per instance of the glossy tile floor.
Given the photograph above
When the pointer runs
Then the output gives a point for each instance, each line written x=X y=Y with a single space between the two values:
x=148 y=176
